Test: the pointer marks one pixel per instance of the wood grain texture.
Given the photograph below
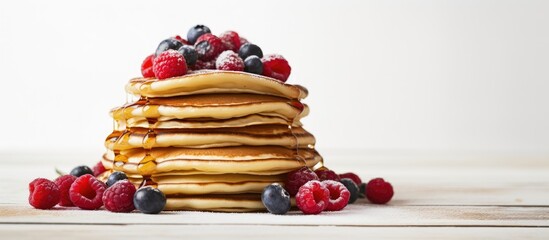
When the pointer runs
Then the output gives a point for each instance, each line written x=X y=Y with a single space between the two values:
x=437 y=197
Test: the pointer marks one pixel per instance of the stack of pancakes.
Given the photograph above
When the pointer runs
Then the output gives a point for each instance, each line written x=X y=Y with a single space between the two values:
x=211 y=140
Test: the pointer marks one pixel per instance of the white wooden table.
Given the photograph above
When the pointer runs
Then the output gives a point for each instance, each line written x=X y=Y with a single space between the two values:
x=436 y=197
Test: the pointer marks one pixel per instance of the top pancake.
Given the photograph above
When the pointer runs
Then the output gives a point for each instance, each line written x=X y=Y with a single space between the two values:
x=214 y=81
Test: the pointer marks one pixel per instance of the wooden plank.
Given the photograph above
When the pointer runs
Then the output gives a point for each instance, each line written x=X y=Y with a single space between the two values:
x=32 y=232
x=360 y=214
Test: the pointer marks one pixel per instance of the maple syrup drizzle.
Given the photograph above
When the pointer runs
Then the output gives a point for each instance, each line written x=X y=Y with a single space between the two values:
x=147 y=165
x=296 y=104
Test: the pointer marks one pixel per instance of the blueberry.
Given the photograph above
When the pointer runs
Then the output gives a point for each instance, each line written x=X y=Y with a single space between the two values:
x=253 y=64
x=352 y=187
x=149 y=200
x=195 y=32
x=81 y=170
x=362 y=190
x=249 y=49
x=276 y=199
x=166 y=44
x=115 y=177
x=189 y=53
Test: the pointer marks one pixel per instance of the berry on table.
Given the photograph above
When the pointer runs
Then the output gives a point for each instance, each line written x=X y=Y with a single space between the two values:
x=149 y=200
x=231 y=40
x=86 y=192
x=362 y=190
x=115 y=177
x=249 y=49
x=98 y=169
x=229 y=60
x=313 y=197
x=147 y=67
x=339 y=195
x=64 y=184
x=169 y=64
x=166 y=45
x=327 y=174
x=295 y=179
x=352 y=187
x=378 y=191
x=253 y=64
x=189 y=53
x=208 y=47
x=81 y=170
x=119 y=197
x=43 y=193
x=277 y=67
x=195 y=32
x=276 y=199
x=352 y=176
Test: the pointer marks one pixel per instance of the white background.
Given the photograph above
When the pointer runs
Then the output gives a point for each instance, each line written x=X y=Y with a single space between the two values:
x=419 y=76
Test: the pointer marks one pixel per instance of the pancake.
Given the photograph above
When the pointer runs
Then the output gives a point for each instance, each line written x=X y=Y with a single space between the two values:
x=216 y=106
x=261 y=160
x=258 y=135
x=201 y=82
x=217 y=203
x=250 y=120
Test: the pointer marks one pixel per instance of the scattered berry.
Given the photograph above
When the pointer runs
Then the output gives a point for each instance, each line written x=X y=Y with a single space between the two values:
x=204 y=65
x=352 y=187
x=297 y=178
x=277 y=67
x=147 y=67
x=181 y=40
x=64 y=184
x=166 y=45
x=249 y=49
x=208 y=46
x=253 y=64
x=81 y=170
x=119 y=197
x=98 y=169
x=86 y=192
x=313 y=197
x=195 y=32
x=169 y=64
x=327 y=174
x=339 y=195
x=189 y=53
x=149 y=200
x=352 y=176
x=43 y=193
x=228 y=60
x=115 y=177
x=362 y=190
x=231 y=40
x=276 y=199
x=378 y=191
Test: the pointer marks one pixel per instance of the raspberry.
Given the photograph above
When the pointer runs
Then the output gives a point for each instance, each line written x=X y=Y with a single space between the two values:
x=64 y=183
x=43 y=193
x=327 y=174
x=98 y=169
x=86 y=192
x=199 y=65
x=276 y=66
x=229 y=60
x=243 y=41
x=378 y=191
x=147 y=67
x=231 y=40
x=181 y=40
x=313 y=197
x=119 y=197
x=208 y=46
x=352 y=176
x=339 y=195
x=296 y=179
x=169 y=64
